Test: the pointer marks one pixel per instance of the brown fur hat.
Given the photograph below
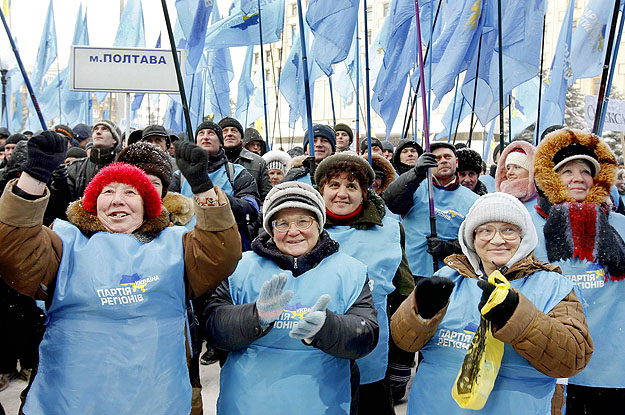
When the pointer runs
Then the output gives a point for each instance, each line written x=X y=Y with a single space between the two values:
x=548 y=181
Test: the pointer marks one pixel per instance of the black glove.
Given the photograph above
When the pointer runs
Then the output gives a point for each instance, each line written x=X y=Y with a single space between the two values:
x=500 y=314
x=440 y=249
x=426 y=161
x=45 y=152
x=192 y=160
x=432 y=295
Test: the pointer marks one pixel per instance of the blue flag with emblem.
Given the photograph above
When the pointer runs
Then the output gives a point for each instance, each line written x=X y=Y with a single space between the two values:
x=193 y=17
x=333 y=23
x=524 y=106
x=560 y=77
x=241 y=28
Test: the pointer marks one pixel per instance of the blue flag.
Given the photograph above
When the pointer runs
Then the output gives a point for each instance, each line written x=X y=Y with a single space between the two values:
x=346 y=75
x=241 y=29
x=219 y=75
x=47 y=50
x=560 y=78
x=249 y=98
x=193 y=18
x=333 y=23
x=524 y=106
x=461 y=110
x=138 y=98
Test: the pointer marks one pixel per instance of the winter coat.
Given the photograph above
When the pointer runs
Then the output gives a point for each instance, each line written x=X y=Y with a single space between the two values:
x=347 y=335
x=80 y=172
x=300 y=170
x=254 y=164
x=551 y=336
x=523 y=189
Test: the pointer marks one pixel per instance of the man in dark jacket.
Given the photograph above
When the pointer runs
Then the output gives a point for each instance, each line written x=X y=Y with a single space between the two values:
x=237 y=154
x=324 y=145
x=233 y=179
x=106 y=137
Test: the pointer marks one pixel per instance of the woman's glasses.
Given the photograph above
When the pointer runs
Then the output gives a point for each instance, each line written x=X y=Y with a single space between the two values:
x=487 y=232
x=302 y=223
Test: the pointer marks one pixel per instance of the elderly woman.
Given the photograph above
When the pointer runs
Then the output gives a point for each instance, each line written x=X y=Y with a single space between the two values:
x=541 y=320
x=515 y=173
x=115 y=279
x=574 y=171
x=294 y=315
x=356 y=218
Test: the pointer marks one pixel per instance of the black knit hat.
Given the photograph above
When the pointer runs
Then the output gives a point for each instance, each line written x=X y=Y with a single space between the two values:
x=4 y=132
x=65 y=131
x=15 y=138
x=364 y=144
x=387 y=145
x=151 y=159
x=347 y=129
x=469 y=159
x=251 y=135
x=231 y=122
x=209 y=125
x=323 y=131
x=400 y=146
x=113 y=128
x=76 y=152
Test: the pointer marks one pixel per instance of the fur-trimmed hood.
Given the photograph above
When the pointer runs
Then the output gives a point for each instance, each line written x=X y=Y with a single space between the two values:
x=381 y=163
x=298 y=161
x=548 y=181
x=89 y=224
x=523 y=191
x=181 y=208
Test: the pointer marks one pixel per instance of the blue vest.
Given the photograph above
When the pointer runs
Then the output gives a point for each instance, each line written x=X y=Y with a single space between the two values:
x=604 y=306
x=489 y=182
x=379 y=247
x=304 y=179
x=519 y=388
x=278 y=374
x=115 y=337
x=450 y=208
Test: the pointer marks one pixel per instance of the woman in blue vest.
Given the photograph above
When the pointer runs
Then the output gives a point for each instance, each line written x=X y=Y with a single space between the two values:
x=115 y=279
x=356 y=218
x=574 y=172
x=541 y=320
x=294 y=315
x=515 y=173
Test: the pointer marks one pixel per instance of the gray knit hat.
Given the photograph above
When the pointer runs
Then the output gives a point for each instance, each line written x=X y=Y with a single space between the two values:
x=497 y=207
x=277 y=160
x=293 y=195
x=114 y=129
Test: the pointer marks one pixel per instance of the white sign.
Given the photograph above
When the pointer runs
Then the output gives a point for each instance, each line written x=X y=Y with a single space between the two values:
x=124 y=70
x=614 y=119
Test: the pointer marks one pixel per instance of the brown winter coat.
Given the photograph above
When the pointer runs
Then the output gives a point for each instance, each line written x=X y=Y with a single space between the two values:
x=30 y=253
x=557 y=344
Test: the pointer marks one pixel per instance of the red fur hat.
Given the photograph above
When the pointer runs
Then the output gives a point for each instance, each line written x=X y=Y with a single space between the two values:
x=127 y=174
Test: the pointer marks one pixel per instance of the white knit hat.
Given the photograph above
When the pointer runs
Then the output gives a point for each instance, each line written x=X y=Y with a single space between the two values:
x=519 y=158
x=293 y=195
x=497 y=207
x=277 y=160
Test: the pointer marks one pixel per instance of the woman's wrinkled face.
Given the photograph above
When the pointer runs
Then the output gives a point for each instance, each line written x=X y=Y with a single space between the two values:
x=514 y=171
x=275 y=176
x=576 y=175
x=120 y=208
x=156 y=181
x=342 y=195
x=496 y=243
x=295 y=241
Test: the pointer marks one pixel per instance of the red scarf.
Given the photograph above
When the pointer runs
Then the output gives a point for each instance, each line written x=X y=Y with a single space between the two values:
x=344 y=220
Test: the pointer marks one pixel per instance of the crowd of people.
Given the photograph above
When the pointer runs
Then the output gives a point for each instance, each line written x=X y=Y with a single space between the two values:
x=320 y=281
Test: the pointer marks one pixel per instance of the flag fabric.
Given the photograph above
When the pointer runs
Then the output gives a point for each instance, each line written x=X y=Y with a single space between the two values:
x=47 y=52
x=219 y=74
x=193 y=16
x=247 y=97
x=524 y=106
x=346 y=75
x=588 y=40
x=16 y=118
x=490 y=145
x=560 y=77
x=454 y=115
x=241 y=29
x=522 y=31
x=332 y=22
x=138 y=98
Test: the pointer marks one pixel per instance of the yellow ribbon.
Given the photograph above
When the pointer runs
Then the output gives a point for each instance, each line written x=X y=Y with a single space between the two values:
x=502 y=285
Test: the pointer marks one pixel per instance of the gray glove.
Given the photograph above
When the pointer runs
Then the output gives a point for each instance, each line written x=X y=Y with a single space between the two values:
x=272 y=300
x=312 y=321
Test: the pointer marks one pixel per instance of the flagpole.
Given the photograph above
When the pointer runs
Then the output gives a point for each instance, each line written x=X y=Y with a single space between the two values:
x=501 y=126
x=183 y=97
x=368 y=89
x=332 y=99
x=477 y=73
x=262 y=66
x=311 y=140
x=23 y=71
x=453 y=108
x=509 y=119
x=58 y=71
x=540 y=84
x=357 y=86
x=609 y=86
x=426 y=129
x=458 y=122
x=606 y=68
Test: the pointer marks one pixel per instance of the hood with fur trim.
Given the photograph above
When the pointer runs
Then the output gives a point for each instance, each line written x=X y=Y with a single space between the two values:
x=382 y=164
x=181 y=208
x=521 y=189
x=89 y=224
x=548 y=181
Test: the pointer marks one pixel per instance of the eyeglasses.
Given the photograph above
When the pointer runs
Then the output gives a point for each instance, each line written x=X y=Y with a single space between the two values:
x=302 y=223
x=487 y=232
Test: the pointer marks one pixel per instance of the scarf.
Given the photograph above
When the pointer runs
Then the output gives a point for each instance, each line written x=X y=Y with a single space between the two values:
x=582 y=231
x=518 y=188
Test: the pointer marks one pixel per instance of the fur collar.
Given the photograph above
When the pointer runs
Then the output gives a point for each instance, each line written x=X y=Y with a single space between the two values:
x=264 y=246
x=522 y=189
x=522 y=268
x=548 y=181
x=181 y=208
x=89 y=224
x=380 y=163
x=299 y=161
